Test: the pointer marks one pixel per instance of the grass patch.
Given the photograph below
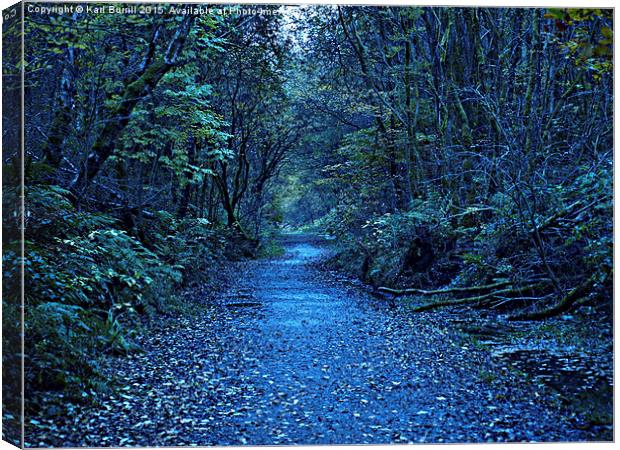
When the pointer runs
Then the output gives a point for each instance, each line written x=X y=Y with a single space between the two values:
x=270 y=249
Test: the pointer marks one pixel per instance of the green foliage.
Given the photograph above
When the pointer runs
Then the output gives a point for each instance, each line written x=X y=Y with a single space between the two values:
x=191 y=247
x=90 y=282
x=387 y=247
x=590 y=46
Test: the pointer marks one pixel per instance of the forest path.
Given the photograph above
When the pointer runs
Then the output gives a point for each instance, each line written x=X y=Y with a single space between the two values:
x=290 y=355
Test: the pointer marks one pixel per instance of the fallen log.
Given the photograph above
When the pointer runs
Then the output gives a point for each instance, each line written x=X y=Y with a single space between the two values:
x=574 y=210
x=563 y=305
x=480 y=298
x=554 y=218
x=454 y=290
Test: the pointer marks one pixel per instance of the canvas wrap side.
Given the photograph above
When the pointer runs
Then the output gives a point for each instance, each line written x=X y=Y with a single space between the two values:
x=12 y=224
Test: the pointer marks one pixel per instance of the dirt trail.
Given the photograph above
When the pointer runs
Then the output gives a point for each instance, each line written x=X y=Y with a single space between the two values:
x=289 y=355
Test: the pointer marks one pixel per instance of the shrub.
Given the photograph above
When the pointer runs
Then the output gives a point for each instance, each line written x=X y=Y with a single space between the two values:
x=88 y=282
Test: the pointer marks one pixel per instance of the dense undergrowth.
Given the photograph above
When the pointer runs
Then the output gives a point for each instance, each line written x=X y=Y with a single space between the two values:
x=533 y=262
x=91 y=284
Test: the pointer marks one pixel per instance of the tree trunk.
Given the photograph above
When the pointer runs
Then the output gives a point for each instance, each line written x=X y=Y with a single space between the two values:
x=187 y=189
x=105 y=144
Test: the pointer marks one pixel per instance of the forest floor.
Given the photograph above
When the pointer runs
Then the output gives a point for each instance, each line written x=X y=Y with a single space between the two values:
x=292 y=354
